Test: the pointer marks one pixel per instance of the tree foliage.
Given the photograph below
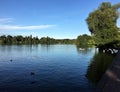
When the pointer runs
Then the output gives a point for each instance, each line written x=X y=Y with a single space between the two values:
x=84 y=40
x=33 y=40
x=102 y=23
x=47 y=40
x=18 y=39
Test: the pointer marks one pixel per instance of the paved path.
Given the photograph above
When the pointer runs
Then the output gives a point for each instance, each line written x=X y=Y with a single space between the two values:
x=110 y=81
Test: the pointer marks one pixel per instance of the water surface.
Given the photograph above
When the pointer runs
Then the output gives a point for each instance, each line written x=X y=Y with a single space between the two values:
x=44 y=68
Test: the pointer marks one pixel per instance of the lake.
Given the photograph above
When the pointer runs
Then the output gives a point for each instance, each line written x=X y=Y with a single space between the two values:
x=45 y=68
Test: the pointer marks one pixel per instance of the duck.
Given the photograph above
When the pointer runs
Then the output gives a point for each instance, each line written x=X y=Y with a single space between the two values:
x=32 y=73
x=11 y=60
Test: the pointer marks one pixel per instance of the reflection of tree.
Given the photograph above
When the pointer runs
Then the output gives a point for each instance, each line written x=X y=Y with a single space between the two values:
x=98 y=66
x=46 y=47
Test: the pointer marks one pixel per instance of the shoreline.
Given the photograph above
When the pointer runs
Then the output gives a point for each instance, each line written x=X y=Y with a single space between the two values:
x=110 y=81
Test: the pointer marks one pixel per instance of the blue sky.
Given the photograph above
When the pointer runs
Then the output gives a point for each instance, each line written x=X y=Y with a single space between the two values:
x=53 y=18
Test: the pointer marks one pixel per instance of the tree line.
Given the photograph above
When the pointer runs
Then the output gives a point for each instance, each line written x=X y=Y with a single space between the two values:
x=81 y=41
x=19 y=39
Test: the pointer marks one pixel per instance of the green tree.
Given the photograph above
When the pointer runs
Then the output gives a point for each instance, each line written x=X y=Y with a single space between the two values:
x=35 y=40
x=9 y=39
x=19 y=39
x=102 y=23
x=84 y=41
x=47 y=40
x=3 y=39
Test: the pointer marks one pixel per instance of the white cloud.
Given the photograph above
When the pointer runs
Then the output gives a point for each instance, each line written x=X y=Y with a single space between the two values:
x=5 y=20
x=17 y=27
x=5 y=24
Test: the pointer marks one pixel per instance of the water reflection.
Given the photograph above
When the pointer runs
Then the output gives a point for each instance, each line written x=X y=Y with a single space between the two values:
x=13 y=52
x=18 y=48
x=33 y=68
x=97 y=67
x=46 y=48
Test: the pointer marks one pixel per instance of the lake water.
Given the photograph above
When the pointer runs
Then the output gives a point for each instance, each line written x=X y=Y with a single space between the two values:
x=44 y=68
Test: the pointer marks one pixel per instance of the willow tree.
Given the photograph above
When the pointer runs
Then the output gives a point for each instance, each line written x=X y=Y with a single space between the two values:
x=102 y=23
